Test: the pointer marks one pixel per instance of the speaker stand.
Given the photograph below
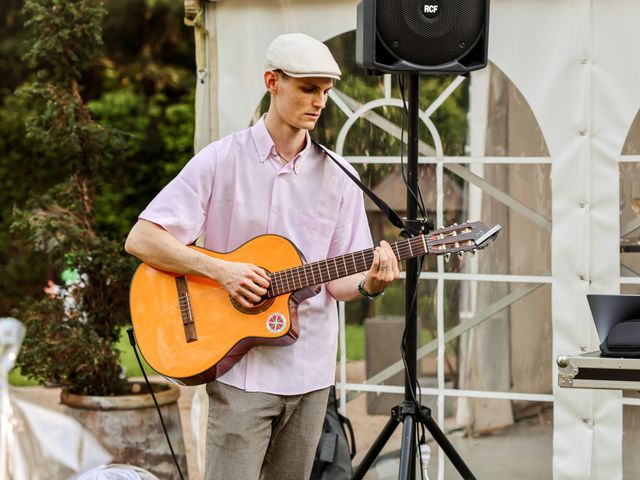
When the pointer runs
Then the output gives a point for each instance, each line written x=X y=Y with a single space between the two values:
x=409 y=413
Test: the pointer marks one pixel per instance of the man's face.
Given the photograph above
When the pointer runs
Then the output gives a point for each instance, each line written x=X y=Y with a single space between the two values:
x=298 y=102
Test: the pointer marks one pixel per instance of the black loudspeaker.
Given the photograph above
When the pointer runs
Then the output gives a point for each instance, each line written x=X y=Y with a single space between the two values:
x=422 y=36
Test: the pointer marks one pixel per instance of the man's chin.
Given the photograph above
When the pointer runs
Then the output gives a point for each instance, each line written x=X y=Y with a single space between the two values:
x=309 y=124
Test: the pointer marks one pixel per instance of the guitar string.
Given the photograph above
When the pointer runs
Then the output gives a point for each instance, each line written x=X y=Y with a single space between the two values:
x=323 y=268
x=289 y=276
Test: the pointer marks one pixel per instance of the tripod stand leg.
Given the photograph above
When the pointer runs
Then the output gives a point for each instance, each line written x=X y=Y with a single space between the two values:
x=447 y=448
x=407 y=452
x=375 y=449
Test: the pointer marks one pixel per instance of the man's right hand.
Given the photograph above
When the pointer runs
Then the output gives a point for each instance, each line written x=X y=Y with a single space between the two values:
x=245 y=282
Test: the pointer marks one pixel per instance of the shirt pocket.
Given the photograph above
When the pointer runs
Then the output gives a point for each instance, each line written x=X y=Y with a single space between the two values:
x=313 y=235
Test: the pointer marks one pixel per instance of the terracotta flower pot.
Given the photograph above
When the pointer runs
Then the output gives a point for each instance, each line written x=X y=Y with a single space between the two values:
x=128 y=426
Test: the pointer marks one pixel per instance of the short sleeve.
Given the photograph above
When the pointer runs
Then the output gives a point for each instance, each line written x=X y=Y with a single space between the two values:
x=181 y=207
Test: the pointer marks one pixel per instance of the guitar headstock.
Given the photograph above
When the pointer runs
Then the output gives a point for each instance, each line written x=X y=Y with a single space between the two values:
x=466 y=237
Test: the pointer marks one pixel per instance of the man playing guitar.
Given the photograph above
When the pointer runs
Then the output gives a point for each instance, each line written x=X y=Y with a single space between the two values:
x=266 y=412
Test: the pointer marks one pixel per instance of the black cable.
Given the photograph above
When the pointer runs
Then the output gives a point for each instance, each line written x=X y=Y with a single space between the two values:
x=405 y=113
x=132 y=341
x=403 y=350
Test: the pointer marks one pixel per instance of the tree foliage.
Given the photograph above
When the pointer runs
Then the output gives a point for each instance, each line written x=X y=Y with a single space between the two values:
x=138 y=87
x=84 y=317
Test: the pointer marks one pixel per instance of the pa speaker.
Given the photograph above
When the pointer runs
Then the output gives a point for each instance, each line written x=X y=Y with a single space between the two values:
x=422 y=36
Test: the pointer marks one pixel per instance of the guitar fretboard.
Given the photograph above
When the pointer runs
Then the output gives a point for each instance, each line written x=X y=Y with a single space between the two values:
x=292 y=279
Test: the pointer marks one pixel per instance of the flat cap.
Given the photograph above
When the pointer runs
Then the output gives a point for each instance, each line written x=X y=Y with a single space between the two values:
x=299 y=55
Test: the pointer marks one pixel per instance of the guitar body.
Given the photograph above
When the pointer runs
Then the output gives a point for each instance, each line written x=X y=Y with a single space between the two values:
x=189 y=330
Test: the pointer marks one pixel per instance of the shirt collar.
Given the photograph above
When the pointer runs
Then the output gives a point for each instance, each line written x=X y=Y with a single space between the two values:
x=265 y=146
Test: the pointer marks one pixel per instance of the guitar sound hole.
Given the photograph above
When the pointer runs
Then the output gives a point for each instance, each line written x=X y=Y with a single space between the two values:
x=256 y=309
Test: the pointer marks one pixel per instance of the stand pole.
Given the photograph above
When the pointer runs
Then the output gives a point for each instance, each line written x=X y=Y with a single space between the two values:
x=406 y=412
x=412 y=263
x=411 y=305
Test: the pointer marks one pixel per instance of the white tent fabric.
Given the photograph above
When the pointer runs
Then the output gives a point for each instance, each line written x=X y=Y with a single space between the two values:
x=575 y=62
x=60 y=438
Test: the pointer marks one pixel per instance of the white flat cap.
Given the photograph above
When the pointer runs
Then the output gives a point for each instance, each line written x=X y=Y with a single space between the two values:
x=299 y=55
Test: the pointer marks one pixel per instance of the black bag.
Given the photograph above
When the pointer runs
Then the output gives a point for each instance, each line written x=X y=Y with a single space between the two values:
x=623 y=340
x=334 y=453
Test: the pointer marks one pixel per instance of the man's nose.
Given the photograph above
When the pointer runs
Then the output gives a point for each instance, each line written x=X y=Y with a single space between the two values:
x=320 y=100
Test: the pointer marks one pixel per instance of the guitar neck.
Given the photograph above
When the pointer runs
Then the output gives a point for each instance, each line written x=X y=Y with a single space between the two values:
x=310 y=274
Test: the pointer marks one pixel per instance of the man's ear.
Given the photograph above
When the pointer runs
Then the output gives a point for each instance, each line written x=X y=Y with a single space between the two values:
x=271 y=81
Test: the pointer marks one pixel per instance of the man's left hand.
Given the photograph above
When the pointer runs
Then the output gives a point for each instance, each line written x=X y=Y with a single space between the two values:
x=384 y=269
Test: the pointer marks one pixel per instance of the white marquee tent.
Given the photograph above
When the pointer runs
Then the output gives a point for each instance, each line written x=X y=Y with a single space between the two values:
x=573 y=64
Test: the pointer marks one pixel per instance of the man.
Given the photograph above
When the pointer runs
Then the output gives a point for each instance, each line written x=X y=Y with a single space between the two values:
x=266 y=412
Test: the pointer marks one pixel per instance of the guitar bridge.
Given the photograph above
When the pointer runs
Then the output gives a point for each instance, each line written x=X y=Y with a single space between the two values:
x=184 y=303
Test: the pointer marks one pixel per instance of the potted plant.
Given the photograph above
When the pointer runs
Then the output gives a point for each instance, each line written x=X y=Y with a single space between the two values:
x=73 y=330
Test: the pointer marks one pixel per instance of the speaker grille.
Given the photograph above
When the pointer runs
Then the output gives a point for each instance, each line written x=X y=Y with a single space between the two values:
x=427 y=39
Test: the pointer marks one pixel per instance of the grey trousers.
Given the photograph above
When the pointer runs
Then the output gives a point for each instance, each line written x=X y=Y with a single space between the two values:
x=253 y=436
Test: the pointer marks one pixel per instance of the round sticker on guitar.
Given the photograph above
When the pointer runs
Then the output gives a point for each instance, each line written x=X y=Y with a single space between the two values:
x=276 y=323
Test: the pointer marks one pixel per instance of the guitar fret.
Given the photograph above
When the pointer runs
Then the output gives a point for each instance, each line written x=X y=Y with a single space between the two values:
x=319 y=273
x=287 y=277
x=279 y=283
x=313 y=277
x=335 y=265
x=410 y=250
x=324 y=267
x=295 y=282
x=306 y=280
x=281 y=287
x=346 y=270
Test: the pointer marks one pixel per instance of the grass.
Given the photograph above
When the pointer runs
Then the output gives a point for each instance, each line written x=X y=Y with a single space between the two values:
x=355 y=341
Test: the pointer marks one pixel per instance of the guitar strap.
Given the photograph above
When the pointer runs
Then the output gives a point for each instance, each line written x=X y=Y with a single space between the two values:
x=382 y=205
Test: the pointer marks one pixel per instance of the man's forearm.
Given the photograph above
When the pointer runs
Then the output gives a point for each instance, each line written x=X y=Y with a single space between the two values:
x=157 y=247
x=345 y=289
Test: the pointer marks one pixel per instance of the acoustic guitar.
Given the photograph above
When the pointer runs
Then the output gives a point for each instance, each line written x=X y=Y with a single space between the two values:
x=191 y=331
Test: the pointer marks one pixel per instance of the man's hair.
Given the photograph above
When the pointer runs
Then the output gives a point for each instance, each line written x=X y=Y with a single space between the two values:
x=282 y=74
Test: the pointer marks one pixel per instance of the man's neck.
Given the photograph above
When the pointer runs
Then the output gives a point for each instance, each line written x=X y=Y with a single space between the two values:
x=288 y=141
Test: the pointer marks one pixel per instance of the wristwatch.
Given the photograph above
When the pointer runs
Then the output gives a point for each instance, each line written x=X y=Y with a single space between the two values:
x=364 y=293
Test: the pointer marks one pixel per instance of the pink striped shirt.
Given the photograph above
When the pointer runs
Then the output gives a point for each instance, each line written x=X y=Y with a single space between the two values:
x=235 y=189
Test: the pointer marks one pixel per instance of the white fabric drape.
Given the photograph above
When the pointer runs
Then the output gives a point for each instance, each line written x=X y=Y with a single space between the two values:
x=575 y=62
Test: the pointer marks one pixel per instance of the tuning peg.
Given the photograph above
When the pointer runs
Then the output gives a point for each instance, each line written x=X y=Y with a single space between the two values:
x=472 y=253
x=447 y=257
x=460 y=255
